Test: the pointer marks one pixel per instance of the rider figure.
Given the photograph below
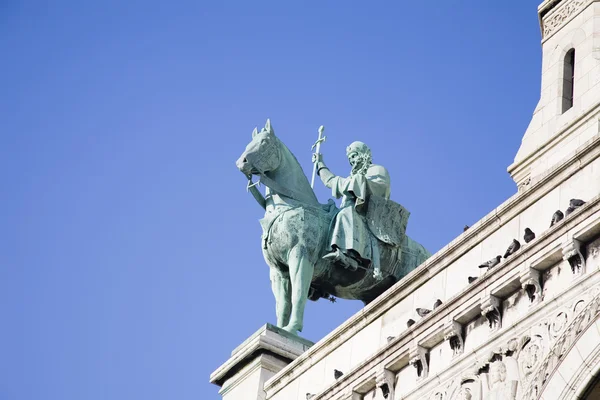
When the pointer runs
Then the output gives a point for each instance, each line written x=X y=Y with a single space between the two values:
x=352 y=244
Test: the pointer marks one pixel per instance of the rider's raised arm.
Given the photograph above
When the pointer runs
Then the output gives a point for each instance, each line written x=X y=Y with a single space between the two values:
x=335 y=183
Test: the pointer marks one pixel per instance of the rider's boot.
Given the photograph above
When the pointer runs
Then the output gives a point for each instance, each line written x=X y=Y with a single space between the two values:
x=339 y=257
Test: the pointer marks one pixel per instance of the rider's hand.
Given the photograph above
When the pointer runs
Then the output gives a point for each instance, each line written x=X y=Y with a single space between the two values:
x=317 y=157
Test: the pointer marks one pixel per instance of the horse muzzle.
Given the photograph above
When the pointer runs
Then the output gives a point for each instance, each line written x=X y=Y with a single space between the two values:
x=244 y=166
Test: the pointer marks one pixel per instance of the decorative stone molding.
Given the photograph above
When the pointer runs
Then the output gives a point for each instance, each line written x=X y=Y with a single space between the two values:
x=491 y=309
x=419 y=358
x=385 y=381
x=453 y=333
x=572 y=253
x=554 y=19
x=531 y=282
x=539 y=379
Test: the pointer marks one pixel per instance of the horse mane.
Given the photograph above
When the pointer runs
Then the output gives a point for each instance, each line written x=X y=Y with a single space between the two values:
x=290 y=174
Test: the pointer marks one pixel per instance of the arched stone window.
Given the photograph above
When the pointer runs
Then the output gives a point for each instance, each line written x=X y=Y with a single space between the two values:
x=568 y=80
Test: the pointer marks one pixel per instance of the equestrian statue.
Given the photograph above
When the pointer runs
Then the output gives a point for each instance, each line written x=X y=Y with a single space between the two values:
x=317 y=250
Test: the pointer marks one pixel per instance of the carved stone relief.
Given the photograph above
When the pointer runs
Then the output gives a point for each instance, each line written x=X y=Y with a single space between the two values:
x=557 y=324
x=419 y=358
x=531 y=356
x=499 y=383
x=573 y=254
x=468 y=388
x=562 y=13
x=453 y=333
x=531 y=283
x=491 y=309
x=385 y=381
x=539 y=378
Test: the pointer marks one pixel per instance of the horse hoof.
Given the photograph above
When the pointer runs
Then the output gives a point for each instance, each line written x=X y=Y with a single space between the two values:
x=291 y=329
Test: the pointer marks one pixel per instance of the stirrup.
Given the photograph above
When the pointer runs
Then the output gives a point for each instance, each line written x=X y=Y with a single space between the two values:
x=339 y=257
x=334 y=256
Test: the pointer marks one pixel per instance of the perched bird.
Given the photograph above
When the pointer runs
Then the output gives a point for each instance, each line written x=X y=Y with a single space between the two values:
x=472 y=279
x=576 y=203
x=390 y=338
x=465 y=228
x=529 y=235
x=337 y=374
x=513 y=248
x=556 y=217
x=569 y=211
x=310 y=396
x=437 y=303
x=423 y=312
x=410 y=323
x=491 y=263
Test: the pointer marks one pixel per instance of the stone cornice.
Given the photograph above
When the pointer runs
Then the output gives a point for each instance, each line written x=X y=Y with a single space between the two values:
x=553 y=14
x=442 y=259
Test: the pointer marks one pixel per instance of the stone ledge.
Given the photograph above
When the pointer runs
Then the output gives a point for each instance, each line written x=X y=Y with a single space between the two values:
x=362 y=378
x=460 y=308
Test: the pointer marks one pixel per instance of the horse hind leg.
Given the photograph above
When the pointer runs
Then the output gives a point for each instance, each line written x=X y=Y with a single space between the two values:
x=301 y=274
x=280 y=284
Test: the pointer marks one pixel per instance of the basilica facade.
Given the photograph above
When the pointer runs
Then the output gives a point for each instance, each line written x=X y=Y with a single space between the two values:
x=466 y=324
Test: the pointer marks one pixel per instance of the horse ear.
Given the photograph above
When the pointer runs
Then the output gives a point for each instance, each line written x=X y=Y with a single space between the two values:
x=254 y=132
x=269 y=128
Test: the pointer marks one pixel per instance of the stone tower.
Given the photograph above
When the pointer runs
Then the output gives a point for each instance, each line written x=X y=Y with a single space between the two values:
x=566 y=115
x=455 y=329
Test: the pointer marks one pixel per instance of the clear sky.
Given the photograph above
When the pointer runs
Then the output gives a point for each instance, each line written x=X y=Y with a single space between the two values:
x=130 y=262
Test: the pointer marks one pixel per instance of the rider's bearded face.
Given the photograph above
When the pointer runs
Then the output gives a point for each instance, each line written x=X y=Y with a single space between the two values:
x=355 y=160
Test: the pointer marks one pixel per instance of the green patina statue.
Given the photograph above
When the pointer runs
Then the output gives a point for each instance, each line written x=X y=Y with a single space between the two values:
x=317 y=250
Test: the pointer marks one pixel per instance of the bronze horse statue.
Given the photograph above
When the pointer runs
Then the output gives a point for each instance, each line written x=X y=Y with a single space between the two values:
x=295 y=237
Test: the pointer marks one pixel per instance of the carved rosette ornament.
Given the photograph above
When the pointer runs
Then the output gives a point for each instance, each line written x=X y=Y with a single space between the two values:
x=491 y=309
x=539 y=378
x=530 y=356
x=453 y=333
x=385 y=380
x=572 y=253
x=558 y=324
x=419 y=358
x=557 y=17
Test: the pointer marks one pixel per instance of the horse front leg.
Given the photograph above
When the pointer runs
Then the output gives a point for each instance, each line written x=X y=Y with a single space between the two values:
x=280 y=284
x=301 y=274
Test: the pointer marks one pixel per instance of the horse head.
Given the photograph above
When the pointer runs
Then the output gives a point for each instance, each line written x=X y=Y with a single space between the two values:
x=262 y=154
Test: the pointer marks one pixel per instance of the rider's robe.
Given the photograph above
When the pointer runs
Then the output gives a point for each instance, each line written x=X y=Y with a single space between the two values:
x=350 y=231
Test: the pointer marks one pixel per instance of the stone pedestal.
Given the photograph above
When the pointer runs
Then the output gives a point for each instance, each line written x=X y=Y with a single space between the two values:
x=252 y=363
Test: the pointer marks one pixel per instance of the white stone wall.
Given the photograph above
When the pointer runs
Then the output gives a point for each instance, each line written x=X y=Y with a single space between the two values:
x=551 y=133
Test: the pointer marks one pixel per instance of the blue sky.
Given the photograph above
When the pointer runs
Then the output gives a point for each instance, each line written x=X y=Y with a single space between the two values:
x=130 y=261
